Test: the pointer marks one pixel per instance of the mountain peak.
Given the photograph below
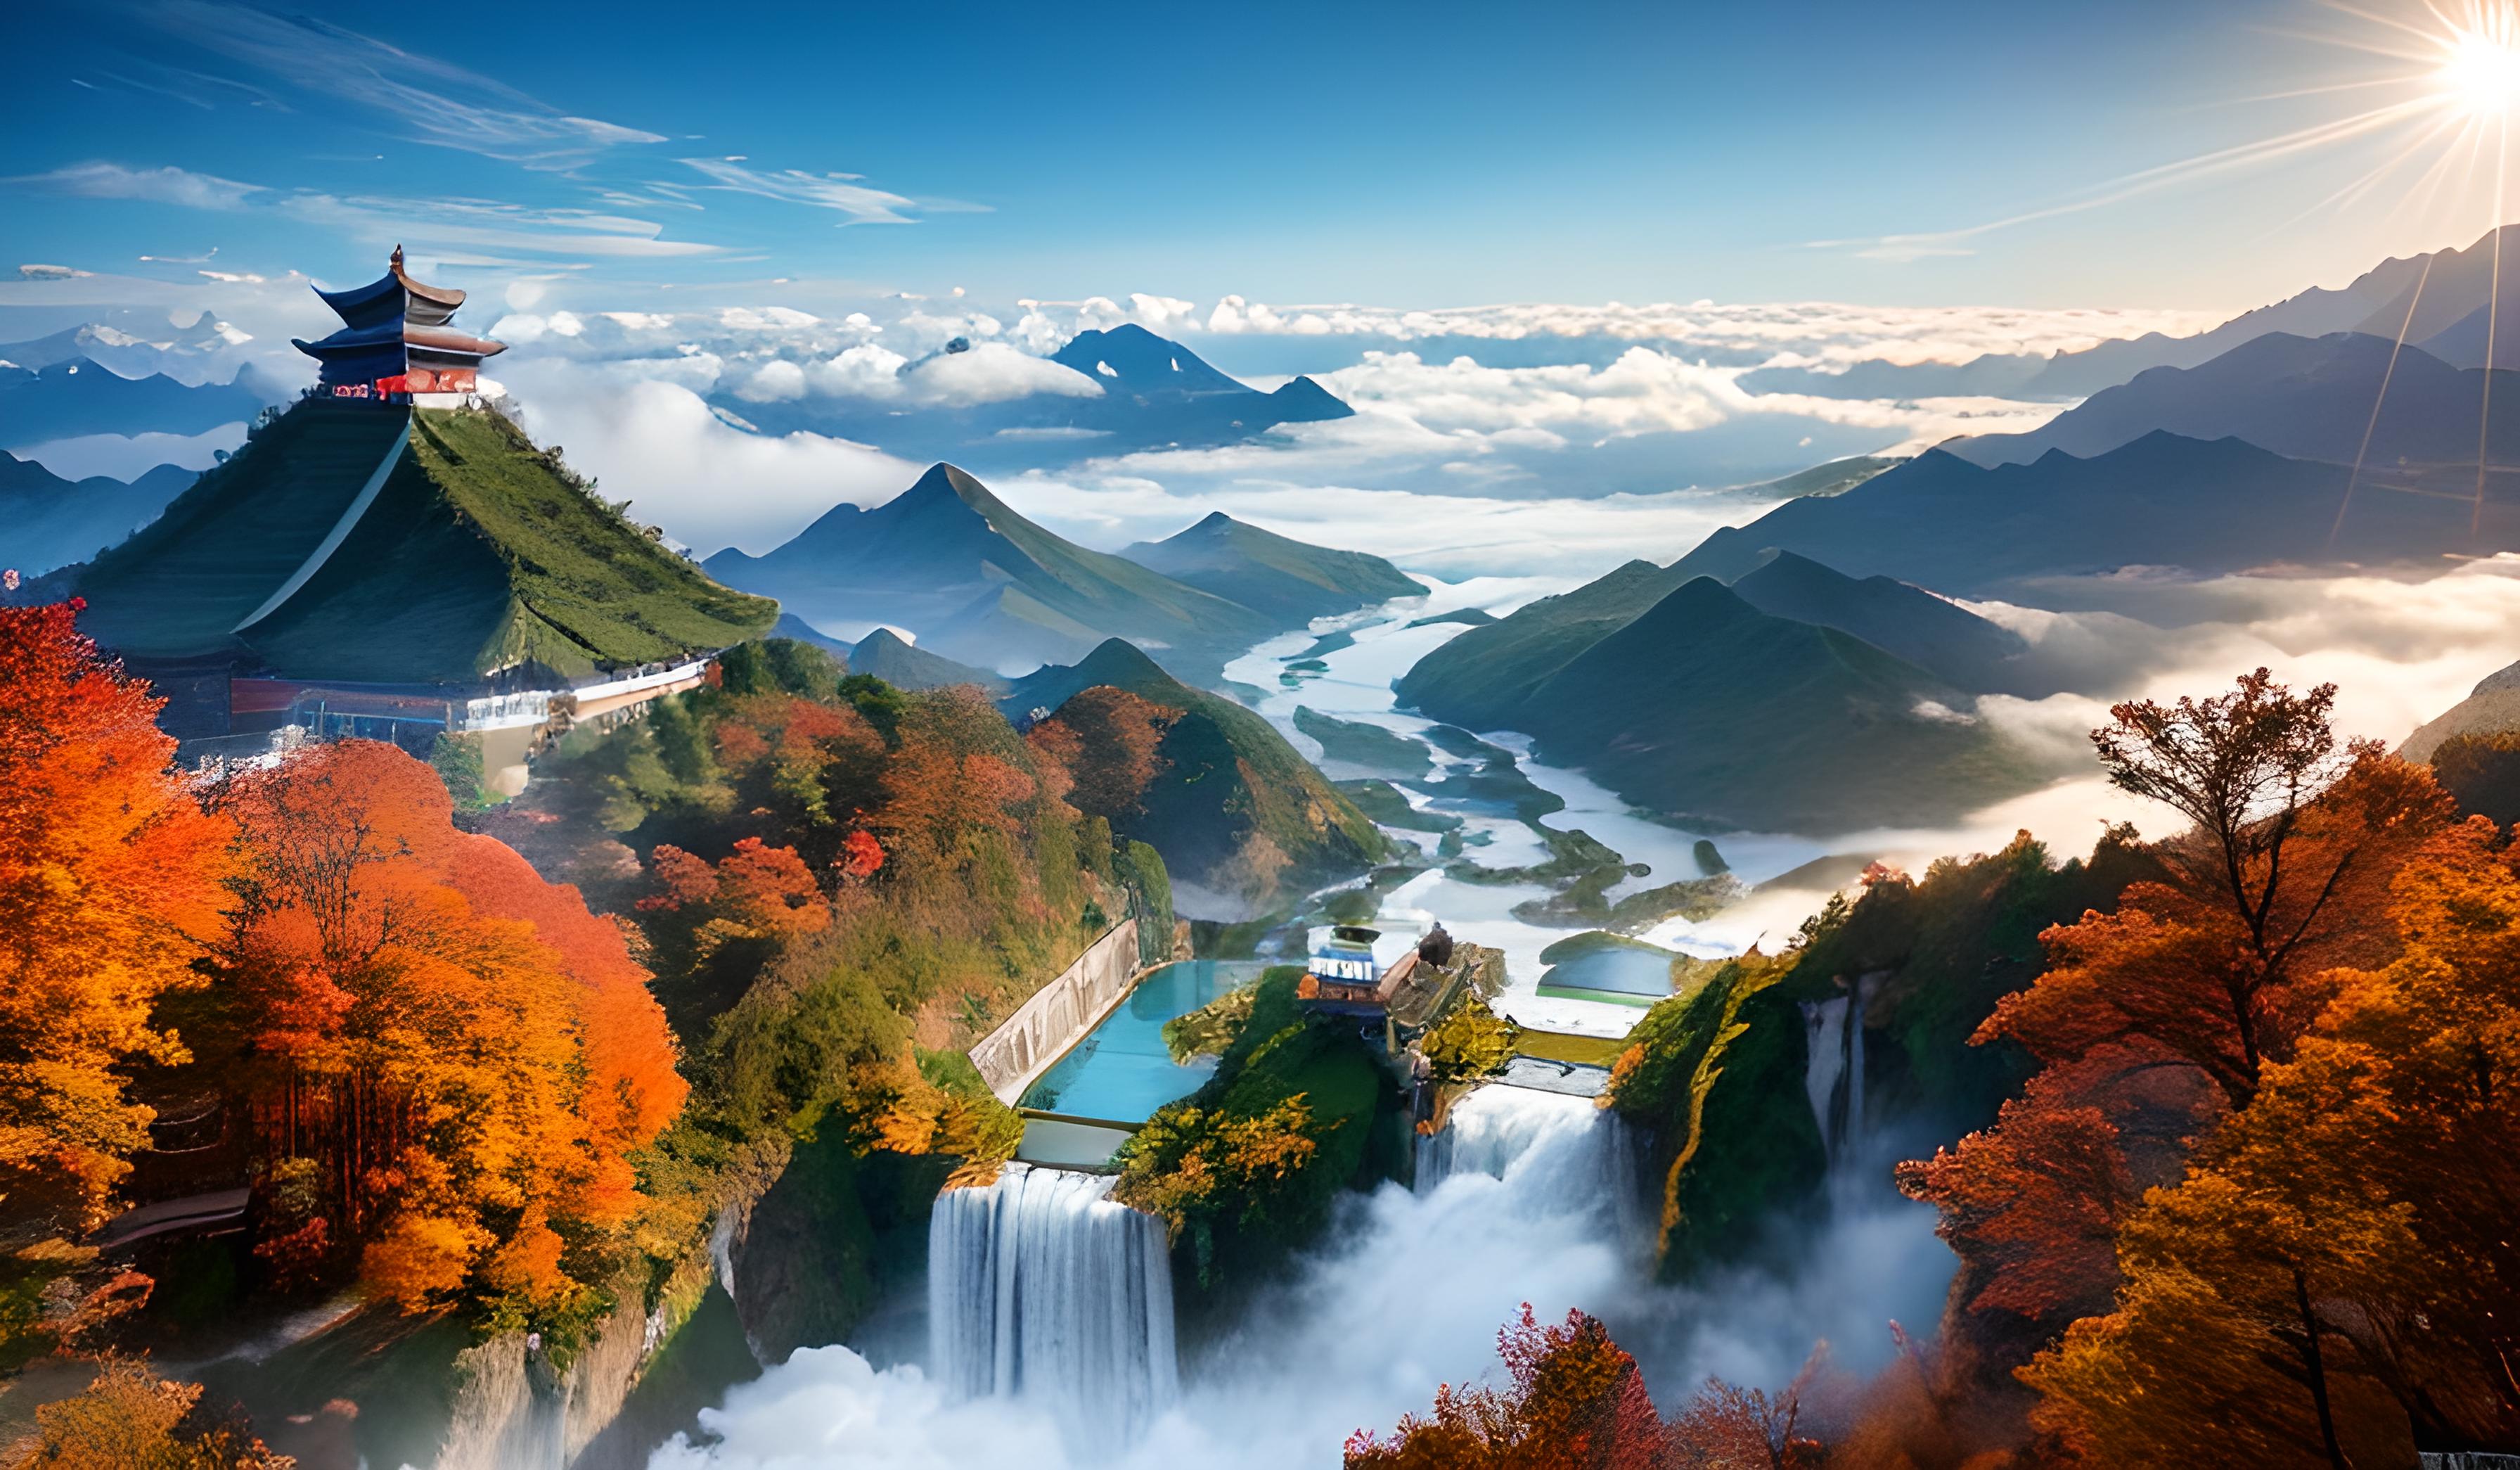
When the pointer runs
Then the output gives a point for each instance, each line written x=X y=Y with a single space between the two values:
x=947 y=478
x=1121 y=662
x=1695 y=605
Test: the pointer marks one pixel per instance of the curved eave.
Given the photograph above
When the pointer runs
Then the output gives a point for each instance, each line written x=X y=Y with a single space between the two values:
x=359 y=298
x=440 y=340
x=444 y=295
x=353 y=340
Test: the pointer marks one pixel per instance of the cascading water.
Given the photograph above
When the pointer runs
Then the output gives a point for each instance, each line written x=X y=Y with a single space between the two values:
x=1040 y=1288
x=1551 y=1148
x=1824 y=1063
x=1834 y=1070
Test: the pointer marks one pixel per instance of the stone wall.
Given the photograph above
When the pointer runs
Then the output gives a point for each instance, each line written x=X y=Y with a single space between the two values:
x=1057 y=1014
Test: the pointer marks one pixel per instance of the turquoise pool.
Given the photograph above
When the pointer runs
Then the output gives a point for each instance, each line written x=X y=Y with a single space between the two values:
x=1121 y=1070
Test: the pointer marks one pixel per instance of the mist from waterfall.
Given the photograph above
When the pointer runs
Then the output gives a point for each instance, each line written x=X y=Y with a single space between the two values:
x=1519 y=1201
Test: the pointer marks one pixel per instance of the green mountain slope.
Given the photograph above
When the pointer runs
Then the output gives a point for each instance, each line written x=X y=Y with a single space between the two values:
x=180 y=586
x=981 y=583
x=474 y=557
x=1244 y=823
x=1707 y=710
x=1291 y=581
x=1480 y=678
x=1949 y=641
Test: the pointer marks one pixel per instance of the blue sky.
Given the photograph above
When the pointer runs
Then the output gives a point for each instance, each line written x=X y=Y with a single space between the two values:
x=1405 y=155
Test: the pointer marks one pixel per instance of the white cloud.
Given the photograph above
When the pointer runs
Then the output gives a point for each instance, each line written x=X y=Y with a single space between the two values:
x=41 y=272
x=166 y=186
x=708 y=483
x=846 y=193
x=440 y=103
x=1451 y=535
x=487 y=224
x=776 y=382
x=1819 y=331
x=992 y=371
x=128 y=457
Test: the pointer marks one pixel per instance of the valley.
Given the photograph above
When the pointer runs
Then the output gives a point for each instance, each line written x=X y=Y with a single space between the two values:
x=745 y=742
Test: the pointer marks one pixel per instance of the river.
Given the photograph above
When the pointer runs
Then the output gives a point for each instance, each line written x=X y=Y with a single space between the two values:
x=1354 y=683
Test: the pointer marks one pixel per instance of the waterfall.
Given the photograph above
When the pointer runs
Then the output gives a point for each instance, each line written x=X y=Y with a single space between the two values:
x=1856 y=1128
x=1834 y=1067
x=1491 y=1130
x=1825 y=1064
x=1548 y=1149
x=1039 y=1287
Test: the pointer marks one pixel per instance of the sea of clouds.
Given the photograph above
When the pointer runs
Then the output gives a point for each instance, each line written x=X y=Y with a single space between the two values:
x=1525 y=401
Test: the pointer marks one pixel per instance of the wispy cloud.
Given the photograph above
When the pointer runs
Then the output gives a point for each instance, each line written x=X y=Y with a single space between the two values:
x=487 y=224
x=166 y=186
x=440 y=103
x=846 y=193
x=197 y=89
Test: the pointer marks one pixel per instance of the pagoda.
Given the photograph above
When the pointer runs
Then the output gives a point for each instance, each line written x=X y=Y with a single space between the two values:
x=394 y=340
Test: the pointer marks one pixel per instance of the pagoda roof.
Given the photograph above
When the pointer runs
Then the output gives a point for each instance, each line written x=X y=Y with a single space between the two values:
x=409 y=333
x=396 y=287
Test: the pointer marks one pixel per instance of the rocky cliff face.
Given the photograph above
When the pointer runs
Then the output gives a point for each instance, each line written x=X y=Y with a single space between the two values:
x=513 y=1412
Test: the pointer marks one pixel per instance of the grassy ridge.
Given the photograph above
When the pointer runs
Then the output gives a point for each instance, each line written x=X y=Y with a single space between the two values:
x=479 y=555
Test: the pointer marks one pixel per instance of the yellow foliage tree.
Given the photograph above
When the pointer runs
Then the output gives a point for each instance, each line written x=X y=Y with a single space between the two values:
x=131 y=1419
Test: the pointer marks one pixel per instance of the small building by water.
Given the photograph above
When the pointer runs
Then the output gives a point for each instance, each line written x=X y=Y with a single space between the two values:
x=1354 y=970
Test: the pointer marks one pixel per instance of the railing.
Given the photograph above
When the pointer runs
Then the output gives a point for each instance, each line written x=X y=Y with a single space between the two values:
x=1045 y=1026
x=500 y=711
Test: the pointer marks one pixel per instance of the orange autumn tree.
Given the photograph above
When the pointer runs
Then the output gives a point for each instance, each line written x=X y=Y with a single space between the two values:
x=1107 y=740
x=2336 y=1266
x=804 y=767
x=110 y=889
x=2153 y=1020
x=448 y=1060
x=2279 y=878
x=1574 y=1401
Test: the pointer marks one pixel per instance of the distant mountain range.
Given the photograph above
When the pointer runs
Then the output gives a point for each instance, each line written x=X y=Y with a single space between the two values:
x=1836 y=478
x=359 y=543
x=136 y=350
x=2162 y=501
x=78 y=398
x=980 y=583
x=1142 y=373
x=1949 y=642
x=2447 y=319
x=1147 y=391
x=51 y=522
x=2301 y=398
x=1246 y=823
x=1693 y=703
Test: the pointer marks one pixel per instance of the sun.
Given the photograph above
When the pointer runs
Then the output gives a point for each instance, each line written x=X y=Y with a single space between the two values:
x=2481 y=73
